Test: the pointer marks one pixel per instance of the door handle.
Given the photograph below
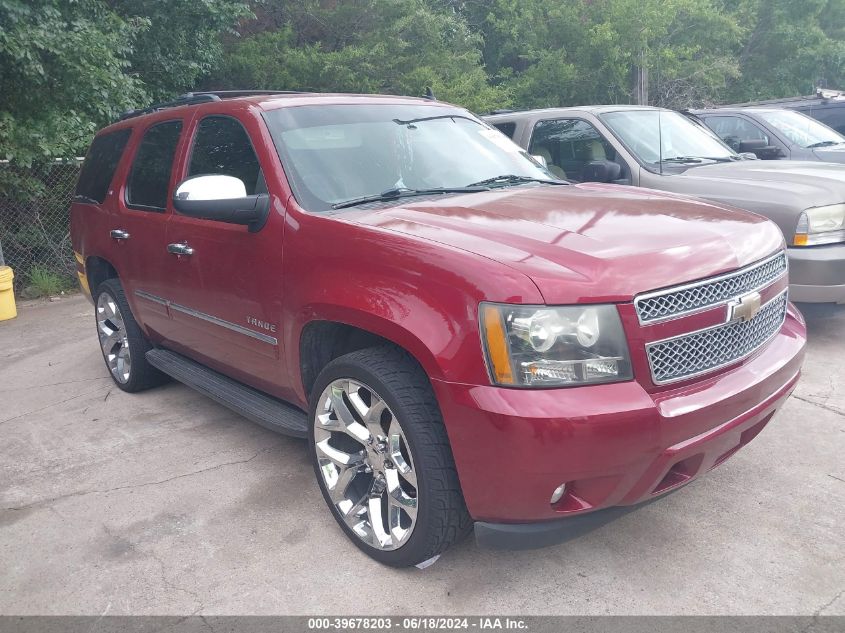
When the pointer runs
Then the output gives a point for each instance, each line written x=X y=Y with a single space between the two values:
x=119 y=234
x=180 y=249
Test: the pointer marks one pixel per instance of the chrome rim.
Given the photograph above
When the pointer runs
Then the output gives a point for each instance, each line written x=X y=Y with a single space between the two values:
x=112 y=333
x=366 y=464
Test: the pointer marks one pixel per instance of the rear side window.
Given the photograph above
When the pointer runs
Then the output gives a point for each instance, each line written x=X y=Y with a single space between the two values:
x=100 y=164
x=222 y=146
x=507 y=129
x=150 y=176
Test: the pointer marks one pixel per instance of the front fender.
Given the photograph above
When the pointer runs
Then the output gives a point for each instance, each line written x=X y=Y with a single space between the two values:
x=422 y=296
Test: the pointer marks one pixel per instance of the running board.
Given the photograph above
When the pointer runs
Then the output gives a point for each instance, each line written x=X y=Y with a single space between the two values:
x=252 y=404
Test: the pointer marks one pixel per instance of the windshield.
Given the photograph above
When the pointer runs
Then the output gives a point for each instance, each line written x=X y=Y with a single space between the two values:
x=801 y=129
x=642 y=131
x=337 y=153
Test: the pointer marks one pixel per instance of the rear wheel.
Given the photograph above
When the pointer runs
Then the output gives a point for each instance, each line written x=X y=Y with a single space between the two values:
x=382 y=458
x=123 y=344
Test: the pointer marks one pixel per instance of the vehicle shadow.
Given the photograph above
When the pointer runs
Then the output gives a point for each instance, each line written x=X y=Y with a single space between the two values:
x=825 y=321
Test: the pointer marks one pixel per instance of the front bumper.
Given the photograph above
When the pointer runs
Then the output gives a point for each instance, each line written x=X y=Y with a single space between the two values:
x=817 y=274
x=614 y=445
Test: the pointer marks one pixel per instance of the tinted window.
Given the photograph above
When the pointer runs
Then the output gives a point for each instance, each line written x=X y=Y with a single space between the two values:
x=507 y=129
x=568 y=145
x=733 y=130
x=150 y=175
x=833 y=117
x=223 y=147
x=100 y=163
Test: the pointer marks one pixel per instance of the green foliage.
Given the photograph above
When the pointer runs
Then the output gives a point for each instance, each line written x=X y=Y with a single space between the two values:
x=788 y=47
x=372 y=46
x=46 y=283
x=181 y=42
x=63 y=72
x=68 y=67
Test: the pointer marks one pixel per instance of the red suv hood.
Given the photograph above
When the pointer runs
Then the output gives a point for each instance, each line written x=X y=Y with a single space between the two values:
x=591 y=242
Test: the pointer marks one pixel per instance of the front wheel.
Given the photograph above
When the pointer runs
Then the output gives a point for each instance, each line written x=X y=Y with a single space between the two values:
x=382 y=457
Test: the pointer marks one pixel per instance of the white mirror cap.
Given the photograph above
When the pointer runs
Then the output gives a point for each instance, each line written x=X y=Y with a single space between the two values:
x=540 y=159
x=213 y=187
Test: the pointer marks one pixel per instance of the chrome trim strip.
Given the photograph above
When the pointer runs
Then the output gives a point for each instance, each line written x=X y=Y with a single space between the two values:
x=149 y=297
x=704 y=282
x=264 y=338
x=714 y=327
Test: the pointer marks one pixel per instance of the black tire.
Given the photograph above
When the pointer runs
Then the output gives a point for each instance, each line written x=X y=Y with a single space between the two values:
x=442 y=517
x=142 y=375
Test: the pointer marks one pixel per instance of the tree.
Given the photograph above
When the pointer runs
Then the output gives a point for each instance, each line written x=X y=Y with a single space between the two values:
x=388 y=46
x=788 y=47
x=62 y=74
x=181 y=42
x=588 y=51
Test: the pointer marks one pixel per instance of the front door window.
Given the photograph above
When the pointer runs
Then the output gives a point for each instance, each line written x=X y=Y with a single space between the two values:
x=570 y=146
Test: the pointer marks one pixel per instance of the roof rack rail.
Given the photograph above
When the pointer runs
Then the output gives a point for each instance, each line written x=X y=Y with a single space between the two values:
x=231 y=94
x=204 y=96
x=186 y=99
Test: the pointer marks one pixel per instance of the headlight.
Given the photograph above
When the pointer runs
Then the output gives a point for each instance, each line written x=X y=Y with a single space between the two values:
x=821 y=225
x=538 y=346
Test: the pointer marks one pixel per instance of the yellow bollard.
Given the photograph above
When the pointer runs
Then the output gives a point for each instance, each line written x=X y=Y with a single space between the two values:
x=7 y=294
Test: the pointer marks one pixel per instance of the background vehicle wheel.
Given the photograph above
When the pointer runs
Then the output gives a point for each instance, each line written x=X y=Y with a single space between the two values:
x=121 y=340
x=382 y=457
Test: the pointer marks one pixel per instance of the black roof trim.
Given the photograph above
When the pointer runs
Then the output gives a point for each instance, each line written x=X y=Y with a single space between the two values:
x=206 y=96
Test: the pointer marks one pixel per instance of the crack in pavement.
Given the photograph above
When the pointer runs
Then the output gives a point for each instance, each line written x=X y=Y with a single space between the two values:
x=174 y=586
x=820 y=405
x=817 y=614
x=828 y=604
x=164 y=579
x=53 y=404
x=82 y=493
x=52 y=384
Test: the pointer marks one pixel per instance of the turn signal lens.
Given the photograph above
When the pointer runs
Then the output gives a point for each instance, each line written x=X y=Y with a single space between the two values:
x=497 y=345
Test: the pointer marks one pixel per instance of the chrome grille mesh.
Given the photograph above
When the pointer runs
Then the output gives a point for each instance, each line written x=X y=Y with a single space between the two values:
x=672 y=302
x=692 y=354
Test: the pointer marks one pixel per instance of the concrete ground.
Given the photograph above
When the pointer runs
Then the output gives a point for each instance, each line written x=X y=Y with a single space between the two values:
x=166 y=503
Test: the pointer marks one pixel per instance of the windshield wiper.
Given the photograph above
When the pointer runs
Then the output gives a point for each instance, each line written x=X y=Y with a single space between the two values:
x=513 y=179
x=696 y=159
x=824 y=144
x=432 y=118
x=404 y=192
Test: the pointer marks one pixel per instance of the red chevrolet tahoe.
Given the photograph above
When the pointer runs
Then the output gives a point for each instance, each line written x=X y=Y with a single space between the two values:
x=463 y=340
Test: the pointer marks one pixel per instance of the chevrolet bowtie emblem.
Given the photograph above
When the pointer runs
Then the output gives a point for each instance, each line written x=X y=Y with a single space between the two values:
x=744 y=308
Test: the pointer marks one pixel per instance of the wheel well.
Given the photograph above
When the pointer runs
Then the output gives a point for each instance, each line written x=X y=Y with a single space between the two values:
x=323 y=341
x=98 y=270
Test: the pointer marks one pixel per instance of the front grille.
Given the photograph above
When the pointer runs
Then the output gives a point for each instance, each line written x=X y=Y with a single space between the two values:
x=673 y=302
x=699 y=352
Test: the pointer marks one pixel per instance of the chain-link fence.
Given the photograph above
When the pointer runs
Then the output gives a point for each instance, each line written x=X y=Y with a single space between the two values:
x=34 y=232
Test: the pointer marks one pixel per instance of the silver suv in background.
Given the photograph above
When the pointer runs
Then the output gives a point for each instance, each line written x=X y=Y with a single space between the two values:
x=662 y=149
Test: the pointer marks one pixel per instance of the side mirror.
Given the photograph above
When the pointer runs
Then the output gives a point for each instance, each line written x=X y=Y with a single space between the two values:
x=540 y=159
x=601 y=171
x=221 y=198
x=759 y=148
